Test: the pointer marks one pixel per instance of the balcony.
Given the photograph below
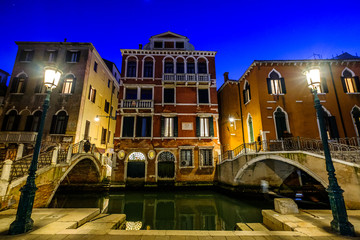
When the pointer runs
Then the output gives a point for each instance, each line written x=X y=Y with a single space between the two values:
x=136 y=104
x=18 y=137
x=186 y=77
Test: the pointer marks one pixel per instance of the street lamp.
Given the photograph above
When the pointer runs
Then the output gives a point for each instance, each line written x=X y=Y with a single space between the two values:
x=23 y=221
x=340 y=222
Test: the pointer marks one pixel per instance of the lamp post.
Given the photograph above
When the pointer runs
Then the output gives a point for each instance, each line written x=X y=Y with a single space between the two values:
x=23 y=221
x=340 y=222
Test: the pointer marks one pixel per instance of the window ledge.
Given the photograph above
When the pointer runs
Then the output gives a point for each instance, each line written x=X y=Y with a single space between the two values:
x=206 y=138
x=353 y=93
x=25 y=61
x=66 y=94
x=322 y=93
x=16 y=93
x=186 y=167
x=131 y=77
x=247 y=102
x=71 y=62
x=40 y=94
x=206 y=167
x=57 y=134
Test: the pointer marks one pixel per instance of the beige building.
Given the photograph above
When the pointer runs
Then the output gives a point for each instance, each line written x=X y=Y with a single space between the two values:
x=87 y=89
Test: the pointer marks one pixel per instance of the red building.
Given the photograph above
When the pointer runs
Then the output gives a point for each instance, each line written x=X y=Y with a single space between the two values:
x=167 y=122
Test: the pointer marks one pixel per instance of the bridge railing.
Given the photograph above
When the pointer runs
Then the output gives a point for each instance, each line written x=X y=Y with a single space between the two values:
x=343 y=149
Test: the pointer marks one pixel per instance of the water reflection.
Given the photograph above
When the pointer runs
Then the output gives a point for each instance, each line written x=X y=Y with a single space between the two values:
x=182 y=210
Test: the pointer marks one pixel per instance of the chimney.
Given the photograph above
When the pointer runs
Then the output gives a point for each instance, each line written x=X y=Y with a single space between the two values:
x=226 y=76
x=65 y=39
x=140 y=46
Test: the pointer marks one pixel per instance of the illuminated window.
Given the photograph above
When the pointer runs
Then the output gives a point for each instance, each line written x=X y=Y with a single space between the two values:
x=204 y=127
x=137 y=156
x=68 y=85
x=169 y=126
x=19 y=84
x=50 y=55
x=351 y=83
x=72 y=56
x=276 y=84
x=92 y=94
x=246 y=92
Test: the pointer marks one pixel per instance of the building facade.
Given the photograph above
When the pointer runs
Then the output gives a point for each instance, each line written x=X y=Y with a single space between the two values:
x=272 y=101
x=167 y=117
x=87 y=89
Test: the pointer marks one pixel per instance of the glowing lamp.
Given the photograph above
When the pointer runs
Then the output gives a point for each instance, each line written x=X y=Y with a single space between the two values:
x=97 y=119
x=52 y=77
x=313 y=78
x=231 y=119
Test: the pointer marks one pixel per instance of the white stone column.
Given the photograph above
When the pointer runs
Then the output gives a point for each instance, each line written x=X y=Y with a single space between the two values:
x=55 y=156
x=5 y=174
x=20 y=151
x=69 y=153
x=81 y=147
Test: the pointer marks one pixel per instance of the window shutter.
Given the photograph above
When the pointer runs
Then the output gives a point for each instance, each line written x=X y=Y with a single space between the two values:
x=4 y=123
x=198 y=126
x=148 y=126
x=63 y=130
x=162 y=122
x=244 y=91
x=22 y=55
x=23 y=87
x=211 y=126
x=249 y=92
x=343 y=84
x=31 y=55
x=78 y=56
x=28 y=124
x=268 y=80
x=89 y=92
x=357 y=83
x=334 y=133
x=38 y=87
x=14 y=84
x=16 y=123
x=68 y=56
x=283 y=88
x=324 y=85
x=175 y=126
x=138 y=126
x=53 y=123
x=73 y=85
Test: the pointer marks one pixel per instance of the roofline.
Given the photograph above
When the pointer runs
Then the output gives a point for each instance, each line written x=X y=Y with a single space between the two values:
x=6 y=73
x=60 y=43
x=182 y=36
x=226 y=83
x=112 y=63
x=143 y=51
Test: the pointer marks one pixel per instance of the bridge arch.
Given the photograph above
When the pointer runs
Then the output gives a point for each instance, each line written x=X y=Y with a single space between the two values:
x=74 y=162
x=260 y=158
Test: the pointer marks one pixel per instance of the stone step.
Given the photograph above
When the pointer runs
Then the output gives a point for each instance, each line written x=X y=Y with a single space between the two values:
x=106 y=221
x=250 y=227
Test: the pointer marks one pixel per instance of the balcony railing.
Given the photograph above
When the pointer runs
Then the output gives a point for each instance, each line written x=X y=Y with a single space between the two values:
x=135 y=103
x=18 y=137
x=186 y=77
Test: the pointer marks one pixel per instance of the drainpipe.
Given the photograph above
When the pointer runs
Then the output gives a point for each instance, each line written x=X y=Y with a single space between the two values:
x=337 y=100
x=108 y=137
x=241 y=115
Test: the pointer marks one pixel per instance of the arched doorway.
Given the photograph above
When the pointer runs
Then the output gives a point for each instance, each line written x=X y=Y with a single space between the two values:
x=136 y=165
x=166 y=165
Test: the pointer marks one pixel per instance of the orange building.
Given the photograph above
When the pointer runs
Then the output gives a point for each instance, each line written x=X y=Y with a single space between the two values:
x=271 y=100
x=167 y=117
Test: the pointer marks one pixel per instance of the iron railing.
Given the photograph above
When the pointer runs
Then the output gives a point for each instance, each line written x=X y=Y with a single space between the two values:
x=137 y=103
x=186 y=77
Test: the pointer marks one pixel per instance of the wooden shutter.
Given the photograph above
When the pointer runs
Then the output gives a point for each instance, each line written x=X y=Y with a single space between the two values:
x=148 y=126
x=244 y=97
x=175 y=126
x=138 y=126
x=324 y=86
x=23 y=87
x=68 y=56
x=343 y=84
x=268 y=80
x=357 y=83
x=28 y=124
x=162 y=122
x=63 y=129
x=334 y=133
x=89 y=92
x=211 y=126
x=198 y=126
x=78 y=56
x=4 y=123
x=249 y=92
x=53 y=124
x=283 y=88
x=16 y=123
x=73 y=85
x=14 y=84
x=94 y=95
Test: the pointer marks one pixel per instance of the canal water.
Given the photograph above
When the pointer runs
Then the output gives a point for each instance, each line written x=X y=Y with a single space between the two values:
x=172 y=210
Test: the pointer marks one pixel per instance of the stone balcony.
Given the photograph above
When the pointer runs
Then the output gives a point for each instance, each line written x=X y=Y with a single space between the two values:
x=186 y=78
x=18 y=137
x=136 y=104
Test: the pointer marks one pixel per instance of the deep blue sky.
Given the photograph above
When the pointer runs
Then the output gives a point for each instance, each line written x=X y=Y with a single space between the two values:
x=240 y=31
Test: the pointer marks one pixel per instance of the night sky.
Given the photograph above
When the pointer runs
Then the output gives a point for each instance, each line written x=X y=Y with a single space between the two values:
x=240 y=31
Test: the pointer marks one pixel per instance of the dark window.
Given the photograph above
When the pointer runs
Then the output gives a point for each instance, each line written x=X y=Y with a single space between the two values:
x=246 y=93
x=131 y=93
x=109 y=83
x=331 y=126
x=50 y=55
x=143 y=127
x=108 y=138
x=280 y=121
x=356 y=117
x=131 y=69
x=87 y=130
x=95 y=66
x=36 y=121
x=148 y=69
x=103 y=135
x=26 y=55
x=59 y=123
x=169 y=67
x=203 y=95
x=39 y=87
x=158 y=44
x=113 y=89
x=190 y=67
x=72 y=56
x=186 y=158
x=107 y=106
x=128 y=127
x=276 y=85
x=202 y=67
x=180 y=67
x=206 y=157
x=11 y=121
x=19 y=84
x=92 y=94
x=146 y=93
x=169 y=44
x=169 y=95
x=179 y=44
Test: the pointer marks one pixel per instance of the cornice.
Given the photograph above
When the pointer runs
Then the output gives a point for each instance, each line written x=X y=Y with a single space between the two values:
x=168 y=52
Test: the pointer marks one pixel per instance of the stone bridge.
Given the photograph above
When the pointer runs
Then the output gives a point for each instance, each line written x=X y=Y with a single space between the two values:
x=250 y=166
x=58 y=166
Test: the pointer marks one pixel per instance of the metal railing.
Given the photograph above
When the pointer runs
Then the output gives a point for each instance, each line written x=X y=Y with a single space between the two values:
x=136 y=103
x=348 y=152
x=186 y=77
x=17 y=137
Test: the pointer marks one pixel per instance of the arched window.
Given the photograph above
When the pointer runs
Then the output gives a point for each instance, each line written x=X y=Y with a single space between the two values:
x=180 y=67
x=246 y=92
x=137 y=156
x=350 y=82
x=59 y=123
x=202 y=66
x=250 y=128
x=275 y=83
x=131 y=67
x=330 y=124
x=36 y=121
x=68 y=84
x=19 y=84
x=11 y=121
x=190 y=65
x=355 y=113
x=148 y=68
x=169 y=66
x=281 y=123
x=24 y=114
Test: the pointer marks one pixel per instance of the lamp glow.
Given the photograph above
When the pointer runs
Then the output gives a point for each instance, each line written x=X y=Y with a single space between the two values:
x=52 y=77
x=97 y=119
x=231 y=119
x=313 y=78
